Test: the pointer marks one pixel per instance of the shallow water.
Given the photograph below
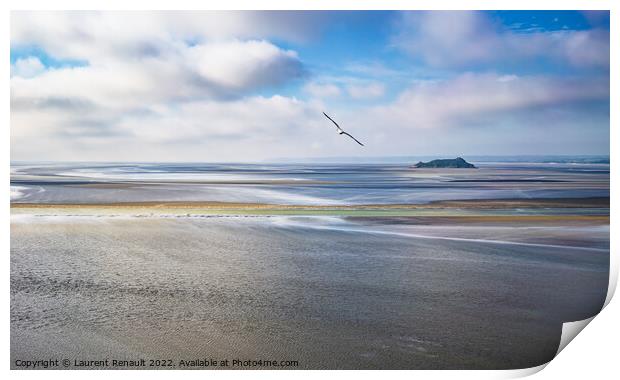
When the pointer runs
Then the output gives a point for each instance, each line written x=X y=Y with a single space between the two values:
x=314 y=184
x=373 y=290
x=325 y=291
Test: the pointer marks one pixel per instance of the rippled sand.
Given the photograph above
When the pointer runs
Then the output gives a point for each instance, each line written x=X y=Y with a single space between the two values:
x=326 y=291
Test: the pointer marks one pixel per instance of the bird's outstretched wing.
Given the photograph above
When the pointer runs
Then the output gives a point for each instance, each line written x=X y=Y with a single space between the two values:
x=332 y=120
x=341 y=131
x=345 y=133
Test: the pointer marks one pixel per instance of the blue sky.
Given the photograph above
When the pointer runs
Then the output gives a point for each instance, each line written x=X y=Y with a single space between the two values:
x=245 y=86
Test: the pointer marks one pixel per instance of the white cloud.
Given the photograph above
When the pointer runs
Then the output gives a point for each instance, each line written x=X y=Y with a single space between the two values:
x=356 y=87
x=479 y=99
x=471 y=110
x=366 y=91
x=374 y=68
x=101 y=36
x=252 y=119
x=322 y=90
x=586 y=48
x=480 y=114
x=242 y=64
x=221 y=69
x=182 y=86
x=466 y=38
x=27 y=67
x=149 y=77
x=250 y=128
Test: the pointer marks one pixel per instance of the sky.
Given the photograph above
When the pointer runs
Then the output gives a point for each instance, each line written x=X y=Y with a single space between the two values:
x=248 y=86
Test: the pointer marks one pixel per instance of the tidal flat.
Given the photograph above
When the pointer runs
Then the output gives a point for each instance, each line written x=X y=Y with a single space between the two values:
x=325 y=291
x=327 y=283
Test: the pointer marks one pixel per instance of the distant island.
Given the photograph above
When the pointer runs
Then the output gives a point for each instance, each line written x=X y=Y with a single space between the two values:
x=446 y=163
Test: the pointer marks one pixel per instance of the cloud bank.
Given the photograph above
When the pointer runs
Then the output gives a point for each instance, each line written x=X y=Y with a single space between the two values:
x=237 y=86
x=470 y=39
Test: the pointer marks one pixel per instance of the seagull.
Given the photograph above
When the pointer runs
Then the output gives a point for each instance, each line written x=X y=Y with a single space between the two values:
x=340 y=131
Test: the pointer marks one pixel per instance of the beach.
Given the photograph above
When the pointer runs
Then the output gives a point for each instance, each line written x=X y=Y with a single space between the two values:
x=451 y=284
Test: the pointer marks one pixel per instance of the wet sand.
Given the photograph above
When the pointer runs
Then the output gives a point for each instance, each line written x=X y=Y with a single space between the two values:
x=460 y=204
x=502 y=210
x=326 y=291
x=333 y=266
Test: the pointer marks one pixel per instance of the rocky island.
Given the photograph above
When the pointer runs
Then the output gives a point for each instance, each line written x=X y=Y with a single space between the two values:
x=446 y=163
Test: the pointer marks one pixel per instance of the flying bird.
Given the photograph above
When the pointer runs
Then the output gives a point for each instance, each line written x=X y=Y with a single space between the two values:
x=340 y=131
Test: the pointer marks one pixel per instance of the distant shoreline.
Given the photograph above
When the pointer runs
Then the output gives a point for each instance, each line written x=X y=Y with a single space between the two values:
x=603 y=159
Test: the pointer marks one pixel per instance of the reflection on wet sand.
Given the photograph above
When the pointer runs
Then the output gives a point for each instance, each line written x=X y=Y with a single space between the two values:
x=349 y=266
x=326 y=291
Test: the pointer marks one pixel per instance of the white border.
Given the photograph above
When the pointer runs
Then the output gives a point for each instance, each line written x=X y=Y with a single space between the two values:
x=593 y=352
